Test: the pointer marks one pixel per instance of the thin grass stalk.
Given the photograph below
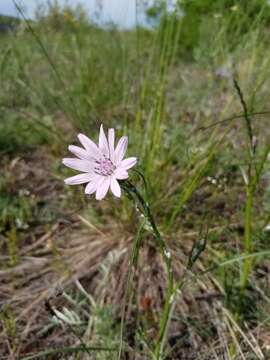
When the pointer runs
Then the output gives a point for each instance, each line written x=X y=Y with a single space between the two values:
x=67 y=350
x=246 y=116
x=248 y=246
x=192 y=181
x=250 y=192
x=164 y=65
x=164 y=324
x=133 y=257
x=248 y=243
x=231 y=118
x=58 y=77
x=145 y=75
x=131 y=190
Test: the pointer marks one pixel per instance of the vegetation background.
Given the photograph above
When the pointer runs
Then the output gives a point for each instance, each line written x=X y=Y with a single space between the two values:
x=192 y=93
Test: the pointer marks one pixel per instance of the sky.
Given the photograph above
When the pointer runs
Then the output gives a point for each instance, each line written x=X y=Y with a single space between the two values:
x=120 y=12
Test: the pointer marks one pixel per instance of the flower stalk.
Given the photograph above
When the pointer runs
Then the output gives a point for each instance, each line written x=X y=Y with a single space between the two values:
x=103 y=167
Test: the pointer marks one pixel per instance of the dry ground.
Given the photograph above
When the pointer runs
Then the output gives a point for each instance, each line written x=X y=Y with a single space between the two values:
x=58 y=260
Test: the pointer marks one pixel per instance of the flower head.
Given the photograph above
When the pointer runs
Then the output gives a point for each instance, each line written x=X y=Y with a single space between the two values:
x=100 y=165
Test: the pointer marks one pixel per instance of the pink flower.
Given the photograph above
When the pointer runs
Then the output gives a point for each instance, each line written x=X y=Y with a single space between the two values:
x=101 y=165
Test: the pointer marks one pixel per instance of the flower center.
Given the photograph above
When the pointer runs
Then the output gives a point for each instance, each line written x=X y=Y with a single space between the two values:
x=104 y=167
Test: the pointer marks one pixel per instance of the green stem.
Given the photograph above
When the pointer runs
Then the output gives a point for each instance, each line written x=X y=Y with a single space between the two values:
x=170 y=292
x=248 y=236
x=133 y=258
x=250 y=191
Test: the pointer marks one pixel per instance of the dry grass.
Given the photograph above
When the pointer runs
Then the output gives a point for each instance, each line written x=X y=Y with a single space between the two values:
x=69 y=254
x=72 y=255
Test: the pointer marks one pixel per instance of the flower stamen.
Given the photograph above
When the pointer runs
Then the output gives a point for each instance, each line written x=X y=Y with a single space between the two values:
x=105 y=167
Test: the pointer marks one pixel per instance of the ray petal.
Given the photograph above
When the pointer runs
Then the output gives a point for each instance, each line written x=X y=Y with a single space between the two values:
x=115 y=187
x=78 y=164
x=111 y=137
x=90 y=146
x=121 y=149
x=103 y=142
x=92 y=186
x=120 y=174
x=103 y=188
x=79 y=179
x=128 y=163
x=79 y=152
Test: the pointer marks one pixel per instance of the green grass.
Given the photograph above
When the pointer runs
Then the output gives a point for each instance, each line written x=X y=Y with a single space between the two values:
x=164 y=88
